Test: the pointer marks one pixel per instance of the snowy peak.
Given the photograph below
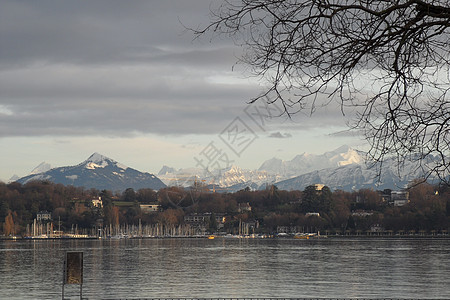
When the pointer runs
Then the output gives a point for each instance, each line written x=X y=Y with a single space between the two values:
x=100 y=172
x=227 y=177
x=97 y=160
x=305 y=162
x=41 y=168
x=166 y=170
x=272 y=164
x=234 y=170
x=342 y=149
x=13 y=178
x=350 y=157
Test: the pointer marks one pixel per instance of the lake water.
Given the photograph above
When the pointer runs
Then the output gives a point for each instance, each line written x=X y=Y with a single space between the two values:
x=230 y=268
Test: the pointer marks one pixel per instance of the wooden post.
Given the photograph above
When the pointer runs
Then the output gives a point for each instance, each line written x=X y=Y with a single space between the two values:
x=73 y=271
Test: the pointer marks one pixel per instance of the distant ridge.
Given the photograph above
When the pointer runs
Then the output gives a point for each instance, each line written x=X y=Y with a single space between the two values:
x=99 y=172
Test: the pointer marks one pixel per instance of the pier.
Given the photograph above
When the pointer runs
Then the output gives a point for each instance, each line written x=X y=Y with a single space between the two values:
x=271 y=299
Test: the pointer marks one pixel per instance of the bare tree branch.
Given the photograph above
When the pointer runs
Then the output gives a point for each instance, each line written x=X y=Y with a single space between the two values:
x=328 y=48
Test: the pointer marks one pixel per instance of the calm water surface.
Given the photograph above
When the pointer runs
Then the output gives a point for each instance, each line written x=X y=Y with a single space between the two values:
x=171 y=268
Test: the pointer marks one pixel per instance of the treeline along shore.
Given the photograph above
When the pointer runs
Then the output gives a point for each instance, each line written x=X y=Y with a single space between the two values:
x=45 y=209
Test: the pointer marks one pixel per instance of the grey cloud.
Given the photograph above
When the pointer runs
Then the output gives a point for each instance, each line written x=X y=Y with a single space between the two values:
x=118 y=105
x=94 y=31
x=64 y=83
x=118 y=117
x=119 y=68
x=330 y=115
x=280 y=135
x=347 y=133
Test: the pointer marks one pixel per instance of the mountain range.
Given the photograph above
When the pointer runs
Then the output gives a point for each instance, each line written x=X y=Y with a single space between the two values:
x=343 y=168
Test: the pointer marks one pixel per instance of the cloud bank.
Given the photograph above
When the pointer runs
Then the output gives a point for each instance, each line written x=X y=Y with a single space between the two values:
x=119 y=68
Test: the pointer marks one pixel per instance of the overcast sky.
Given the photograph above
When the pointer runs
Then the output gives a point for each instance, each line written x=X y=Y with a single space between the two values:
x=125 y=79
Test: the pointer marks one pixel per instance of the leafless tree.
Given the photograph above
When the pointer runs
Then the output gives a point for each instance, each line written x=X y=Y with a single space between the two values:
x=387 y=61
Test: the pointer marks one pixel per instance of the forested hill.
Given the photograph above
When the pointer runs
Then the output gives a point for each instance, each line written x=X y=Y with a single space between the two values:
x=99 y=172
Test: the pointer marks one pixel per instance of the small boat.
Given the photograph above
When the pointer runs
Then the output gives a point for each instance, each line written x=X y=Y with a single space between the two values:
x=41 y=236
x=211 y=237
x=301 y=236
x=305 y=236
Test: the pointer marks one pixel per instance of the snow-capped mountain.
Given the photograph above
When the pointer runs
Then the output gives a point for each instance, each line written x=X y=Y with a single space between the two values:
x=235 y=178
x=271 y=171
x=343 y=168
x=182 y=177
x=98 y=172
x=41 y=168
x=305 y=163
x=356 y=176
x=231 y=178
x=13 y=178
x=346 y=169
x=166 y=170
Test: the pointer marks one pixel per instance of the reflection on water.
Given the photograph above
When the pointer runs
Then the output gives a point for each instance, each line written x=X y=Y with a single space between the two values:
x=227 y=268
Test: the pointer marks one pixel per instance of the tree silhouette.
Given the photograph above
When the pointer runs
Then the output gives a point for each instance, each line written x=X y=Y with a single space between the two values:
x=9 y=225
x=310 y=200
x=386 y=62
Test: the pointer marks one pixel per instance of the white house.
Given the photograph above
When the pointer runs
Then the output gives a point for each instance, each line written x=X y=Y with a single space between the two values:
x=43 y=216
x=399 y=198
x=97 y=202
x=150 y=207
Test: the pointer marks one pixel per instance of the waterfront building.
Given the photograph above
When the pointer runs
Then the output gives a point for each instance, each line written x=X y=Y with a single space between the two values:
x=201 y=220
x=399 y=198
x=319 y=186
x=244 y=207
x=310 y=214
x=43 y=216
x=98 y=203
x=146 y=208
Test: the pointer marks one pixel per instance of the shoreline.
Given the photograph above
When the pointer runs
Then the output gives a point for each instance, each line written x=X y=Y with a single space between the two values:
x=347 y=236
